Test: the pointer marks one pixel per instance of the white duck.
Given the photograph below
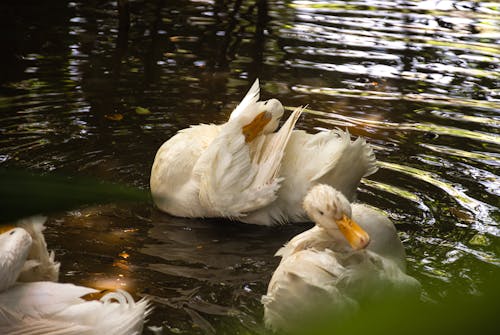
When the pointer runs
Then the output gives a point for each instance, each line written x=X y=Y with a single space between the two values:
x=353 y=253
x=243 y=170
x=46 y=307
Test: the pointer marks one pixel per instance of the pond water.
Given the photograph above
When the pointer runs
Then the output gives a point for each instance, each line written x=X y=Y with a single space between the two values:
x=82 y=93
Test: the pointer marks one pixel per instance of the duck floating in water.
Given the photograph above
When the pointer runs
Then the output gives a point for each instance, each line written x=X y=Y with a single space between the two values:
x=244 y=170
x=351 y=255
x=46 y=307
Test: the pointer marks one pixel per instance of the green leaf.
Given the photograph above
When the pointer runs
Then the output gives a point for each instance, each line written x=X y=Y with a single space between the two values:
x=480 y=239
x=23 y=194
x=142 y=111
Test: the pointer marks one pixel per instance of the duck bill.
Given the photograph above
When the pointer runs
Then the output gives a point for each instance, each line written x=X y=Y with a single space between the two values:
x=354 y=234
x=254 y=128
x=6 y=228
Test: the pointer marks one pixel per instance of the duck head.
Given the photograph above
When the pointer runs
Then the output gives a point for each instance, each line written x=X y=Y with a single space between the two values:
x=330 y=210
x=257 y=117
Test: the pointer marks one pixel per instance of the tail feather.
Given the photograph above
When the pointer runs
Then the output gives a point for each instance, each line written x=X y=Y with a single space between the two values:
x=115 y=314
x=129 y=316
x=352 y=161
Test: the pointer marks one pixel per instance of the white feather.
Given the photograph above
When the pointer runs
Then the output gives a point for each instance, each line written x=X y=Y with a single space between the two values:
x=236 y=177
x=55 y=308
x=248 y=101
x=40 y=264
x=15 y=245
x=49 y=308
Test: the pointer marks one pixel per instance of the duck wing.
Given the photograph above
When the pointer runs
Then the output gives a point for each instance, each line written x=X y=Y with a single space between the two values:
x=236 y=176
x=17 y=324
x=249 y=102
x=304 y=283
x=368 y=275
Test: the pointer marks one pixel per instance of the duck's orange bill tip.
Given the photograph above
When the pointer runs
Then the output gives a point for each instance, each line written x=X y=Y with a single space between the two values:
x=354 y=234
x=254 y=128
x=6 y=227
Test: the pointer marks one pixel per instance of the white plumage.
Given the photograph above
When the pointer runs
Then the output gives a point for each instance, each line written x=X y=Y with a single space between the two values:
x=243 y=170
x=351 y=255
x=45 y=307
x=40 y=264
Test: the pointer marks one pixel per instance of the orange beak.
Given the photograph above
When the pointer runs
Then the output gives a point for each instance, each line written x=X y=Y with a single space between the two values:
x=6 y=228
x=354 y=234
x=254 y=128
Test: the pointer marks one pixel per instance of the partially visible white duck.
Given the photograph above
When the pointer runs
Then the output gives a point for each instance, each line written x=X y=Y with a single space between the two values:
x=352 y=254
x=40 y=264
x=45 y=307
x=245 y=171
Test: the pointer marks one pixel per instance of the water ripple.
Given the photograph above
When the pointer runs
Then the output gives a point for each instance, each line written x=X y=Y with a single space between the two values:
x=418 y=79
x=421 y=127
x=481 y=210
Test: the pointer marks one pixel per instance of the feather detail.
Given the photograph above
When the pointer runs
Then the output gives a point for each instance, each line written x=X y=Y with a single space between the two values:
x=40 y=264
x=248 y=101
x=237 y=177
x=15 y=245
x=269 y=156
x=304 y=283
x=54 y=308
x=350 y=161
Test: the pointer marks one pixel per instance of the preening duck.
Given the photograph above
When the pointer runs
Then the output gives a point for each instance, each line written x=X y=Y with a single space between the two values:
x=244 y=170
x=38 y=306
x=352 y=254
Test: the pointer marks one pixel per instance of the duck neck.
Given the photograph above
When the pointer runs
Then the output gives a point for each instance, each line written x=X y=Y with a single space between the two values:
x=337 y=240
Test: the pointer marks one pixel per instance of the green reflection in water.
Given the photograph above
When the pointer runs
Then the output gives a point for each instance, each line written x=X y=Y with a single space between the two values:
x=480 y=209
x=393 y=190
x=431 y=99
x=487 y=257
x=423 y=127
x=462 y=153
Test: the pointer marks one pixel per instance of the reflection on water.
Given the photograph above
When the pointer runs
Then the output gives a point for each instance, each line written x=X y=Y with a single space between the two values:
x=84 y=90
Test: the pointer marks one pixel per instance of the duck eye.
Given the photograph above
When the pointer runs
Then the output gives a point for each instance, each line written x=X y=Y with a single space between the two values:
x=320 y=212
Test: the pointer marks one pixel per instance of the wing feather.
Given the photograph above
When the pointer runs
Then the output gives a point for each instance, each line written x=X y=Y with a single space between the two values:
x=250 y=99
x=236 y=177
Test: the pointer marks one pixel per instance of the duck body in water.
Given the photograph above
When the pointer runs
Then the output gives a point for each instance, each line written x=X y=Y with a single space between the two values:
x=352 y=255
x=39 y=306
x=245 y=170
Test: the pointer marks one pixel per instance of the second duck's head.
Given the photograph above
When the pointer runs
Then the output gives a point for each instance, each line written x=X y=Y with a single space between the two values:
x=330 y=210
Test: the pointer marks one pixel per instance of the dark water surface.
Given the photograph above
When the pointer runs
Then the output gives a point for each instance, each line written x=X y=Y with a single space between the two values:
x=419 y=79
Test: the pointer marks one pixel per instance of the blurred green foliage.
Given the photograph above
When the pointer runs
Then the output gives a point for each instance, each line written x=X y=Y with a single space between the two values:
x=23 y=193
x=456 y=314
